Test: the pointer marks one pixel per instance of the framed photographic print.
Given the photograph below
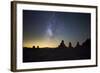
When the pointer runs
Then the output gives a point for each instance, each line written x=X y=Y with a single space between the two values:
x=48 y=36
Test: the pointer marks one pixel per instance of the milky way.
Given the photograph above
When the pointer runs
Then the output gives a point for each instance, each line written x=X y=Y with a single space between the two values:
x=48 y=28
x=50 y=24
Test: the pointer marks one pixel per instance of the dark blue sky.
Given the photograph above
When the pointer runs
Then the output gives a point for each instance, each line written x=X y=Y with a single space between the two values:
x=48 y=28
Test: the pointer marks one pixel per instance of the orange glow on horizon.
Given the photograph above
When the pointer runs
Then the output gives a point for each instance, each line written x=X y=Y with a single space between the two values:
x=41 y=44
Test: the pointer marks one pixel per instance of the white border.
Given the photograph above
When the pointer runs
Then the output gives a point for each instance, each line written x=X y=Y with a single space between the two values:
x=34 y=65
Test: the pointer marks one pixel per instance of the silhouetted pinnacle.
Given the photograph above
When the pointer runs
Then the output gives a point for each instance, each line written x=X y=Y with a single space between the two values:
x=33 y=46
x=62 y=45
x=78 y=45
x=70 y=45
x=37 y=46
x=87 y=43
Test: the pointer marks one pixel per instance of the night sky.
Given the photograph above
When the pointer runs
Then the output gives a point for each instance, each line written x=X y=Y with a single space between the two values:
x=49 y=28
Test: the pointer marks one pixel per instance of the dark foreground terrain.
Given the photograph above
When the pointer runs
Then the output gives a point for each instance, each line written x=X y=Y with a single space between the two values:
x=59 y=53
x=36 y=55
